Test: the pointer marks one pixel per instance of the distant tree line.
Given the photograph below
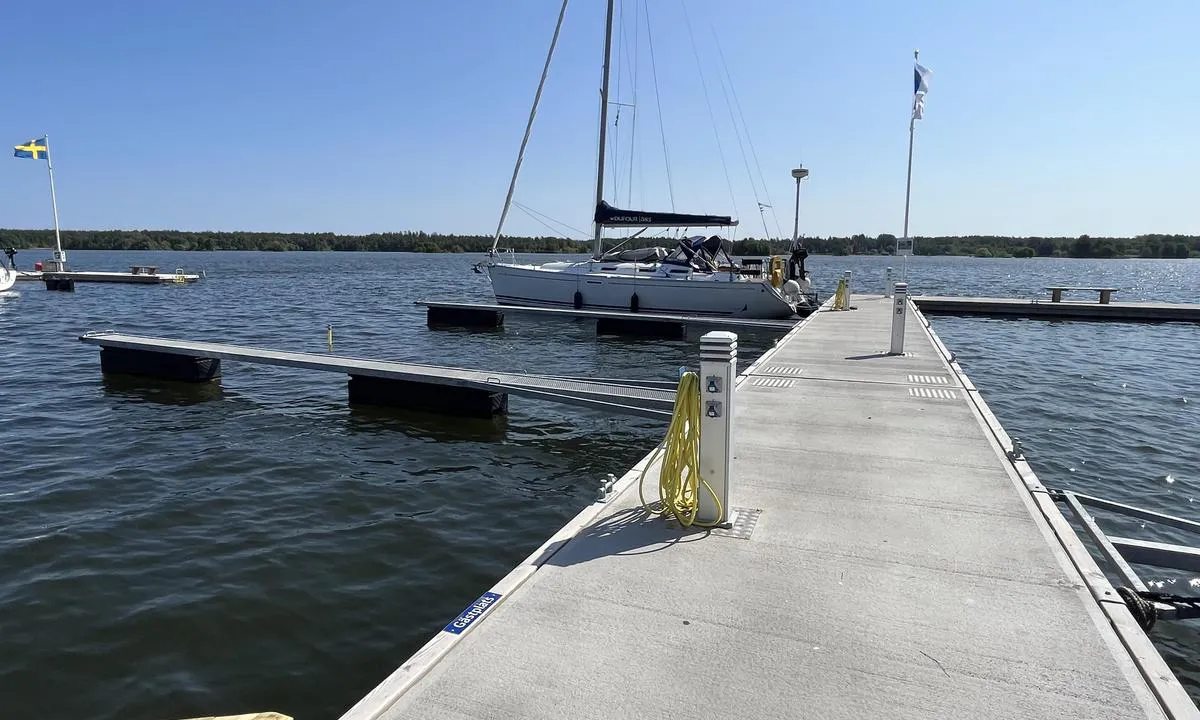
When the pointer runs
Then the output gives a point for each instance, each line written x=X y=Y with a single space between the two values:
x=178 y=240
x=1146 y=246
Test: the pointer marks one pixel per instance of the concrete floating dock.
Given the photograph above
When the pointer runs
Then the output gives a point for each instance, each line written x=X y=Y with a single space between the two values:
x=453 y=391
x=60 y=278
x=892 y=561
x=121 y=277
x=1074 y=310
x=608 y=322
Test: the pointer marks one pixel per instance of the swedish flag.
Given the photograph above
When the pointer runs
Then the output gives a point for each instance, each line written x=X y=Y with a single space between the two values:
x=34 y=149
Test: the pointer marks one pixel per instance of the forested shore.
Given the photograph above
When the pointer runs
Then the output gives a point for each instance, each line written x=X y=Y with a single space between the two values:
x=1146 y=246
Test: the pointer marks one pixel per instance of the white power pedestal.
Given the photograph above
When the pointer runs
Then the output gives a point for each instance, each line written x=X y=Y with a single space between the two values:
x=899 y=311
x=718 y=370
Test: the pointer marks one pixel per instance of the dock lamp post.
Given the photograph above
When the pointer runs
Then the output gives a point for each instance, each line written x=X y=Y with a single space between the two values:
x=799 y=173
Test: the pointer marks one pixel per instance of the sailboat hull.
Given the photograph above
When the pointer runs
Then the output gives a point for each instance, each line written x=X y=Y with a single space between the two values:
x=542 y=286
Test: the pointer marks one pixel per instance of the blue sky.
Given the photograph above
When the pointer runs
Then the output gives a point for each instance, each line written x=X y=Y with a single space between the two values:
x=363 y=116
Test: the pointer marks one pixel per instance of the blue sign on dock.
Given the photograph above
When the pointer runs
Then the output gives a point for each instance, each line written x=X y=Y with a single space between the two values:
x=473 y=613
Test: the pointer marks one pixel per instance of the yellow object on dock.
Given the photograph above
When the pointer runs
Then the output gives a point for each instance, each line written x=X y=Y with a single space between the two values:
x=841 y=300
x=679 y=478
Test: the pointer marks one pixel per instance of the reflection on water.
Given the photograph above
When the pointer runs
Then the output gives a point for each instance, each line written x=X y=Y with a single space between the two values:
x=453 y=330
x=428 y=426
x=162 y=392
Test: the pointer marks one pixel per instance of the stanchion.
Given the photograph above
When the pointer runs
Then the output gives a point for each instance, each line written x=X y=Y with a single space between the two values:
x=899 y=310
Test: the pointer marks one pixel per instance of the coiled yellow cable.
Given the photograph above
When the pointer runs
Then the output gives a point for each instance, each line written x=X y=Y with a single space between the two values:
x=841 y=300
x=679 y=475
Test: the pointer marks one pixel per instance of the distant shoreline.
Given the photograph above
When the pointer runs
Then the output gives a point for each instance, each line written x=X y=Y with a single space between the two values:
x=1142 y=246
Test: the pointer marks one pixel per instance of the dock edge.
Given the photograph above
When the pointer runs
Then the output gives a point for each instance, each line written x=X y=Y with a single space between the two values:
x=1171 y=697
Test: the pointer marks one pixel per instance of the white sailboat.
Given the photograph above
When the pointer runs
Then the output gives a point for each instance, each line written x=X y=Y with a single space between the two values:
x=696 y=277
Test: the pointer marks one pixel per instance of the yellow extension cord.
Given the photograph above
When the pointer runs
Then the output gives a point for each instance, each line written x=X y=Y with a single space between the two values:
x=841 y=299
x=679 y=475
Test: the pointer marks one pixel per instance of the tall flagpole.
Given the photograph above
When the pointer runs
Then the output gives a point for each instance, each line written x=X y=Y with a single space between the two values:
x=912 y=125
x=912 y=122
x=59 y=256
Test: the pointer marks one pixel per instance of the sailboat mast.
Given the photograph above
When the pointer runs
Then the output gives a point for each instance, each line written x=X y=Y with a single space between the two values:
x=597 y=227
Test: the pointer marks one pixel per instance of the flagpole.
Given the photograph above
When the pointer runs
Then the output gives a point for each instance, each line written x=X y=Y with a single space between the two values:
x=907 y=194
x=912 y=125
x=59 y=255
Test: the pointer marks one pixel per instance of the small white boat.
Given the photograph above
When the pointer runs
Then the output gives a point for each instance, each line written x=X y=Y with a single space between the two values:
x=8 y=277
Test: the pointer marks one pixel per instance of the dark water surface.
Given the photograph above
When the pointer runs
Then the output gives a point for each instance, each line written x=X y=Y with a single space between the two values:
x=173 y=551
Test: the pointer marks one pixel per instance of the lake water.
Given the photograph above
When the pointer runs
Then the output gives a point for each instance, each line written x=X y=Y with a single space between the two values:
x=169 y=552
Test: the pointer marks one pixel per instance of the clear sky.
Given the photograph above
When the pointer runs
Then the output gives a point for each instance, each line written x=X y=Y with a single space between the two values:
x=356 y=116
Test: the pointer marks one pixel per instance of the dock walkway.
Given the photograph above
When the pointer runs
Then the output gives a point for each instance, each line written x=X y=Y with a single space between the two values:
x=898 y=565
x=104 y=276
x=1063 y=310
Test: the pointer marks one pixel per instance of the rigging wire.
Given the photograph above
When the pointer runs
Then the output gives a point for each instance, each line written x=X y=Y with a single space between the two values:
x=536 y=215
x=614 y=139
x=745 y=160
x=529 y=126
x=658 y=100
x=749 y=139
x=553 y=230
x=708 y=103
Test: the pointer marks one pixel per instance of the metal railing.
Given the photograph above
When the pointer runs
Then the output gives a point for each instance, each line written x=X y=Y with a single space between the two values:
x=1121 y=554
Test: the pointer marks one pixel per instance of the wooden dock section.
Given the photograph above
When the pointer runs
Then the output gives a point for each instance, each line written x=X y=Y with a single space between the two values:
x=1063 y=310
x=892 y=562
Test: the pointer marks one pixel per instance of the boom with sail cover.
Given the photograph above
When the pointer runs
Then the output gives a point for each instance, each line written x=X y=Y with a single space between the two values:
x=609 y=216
